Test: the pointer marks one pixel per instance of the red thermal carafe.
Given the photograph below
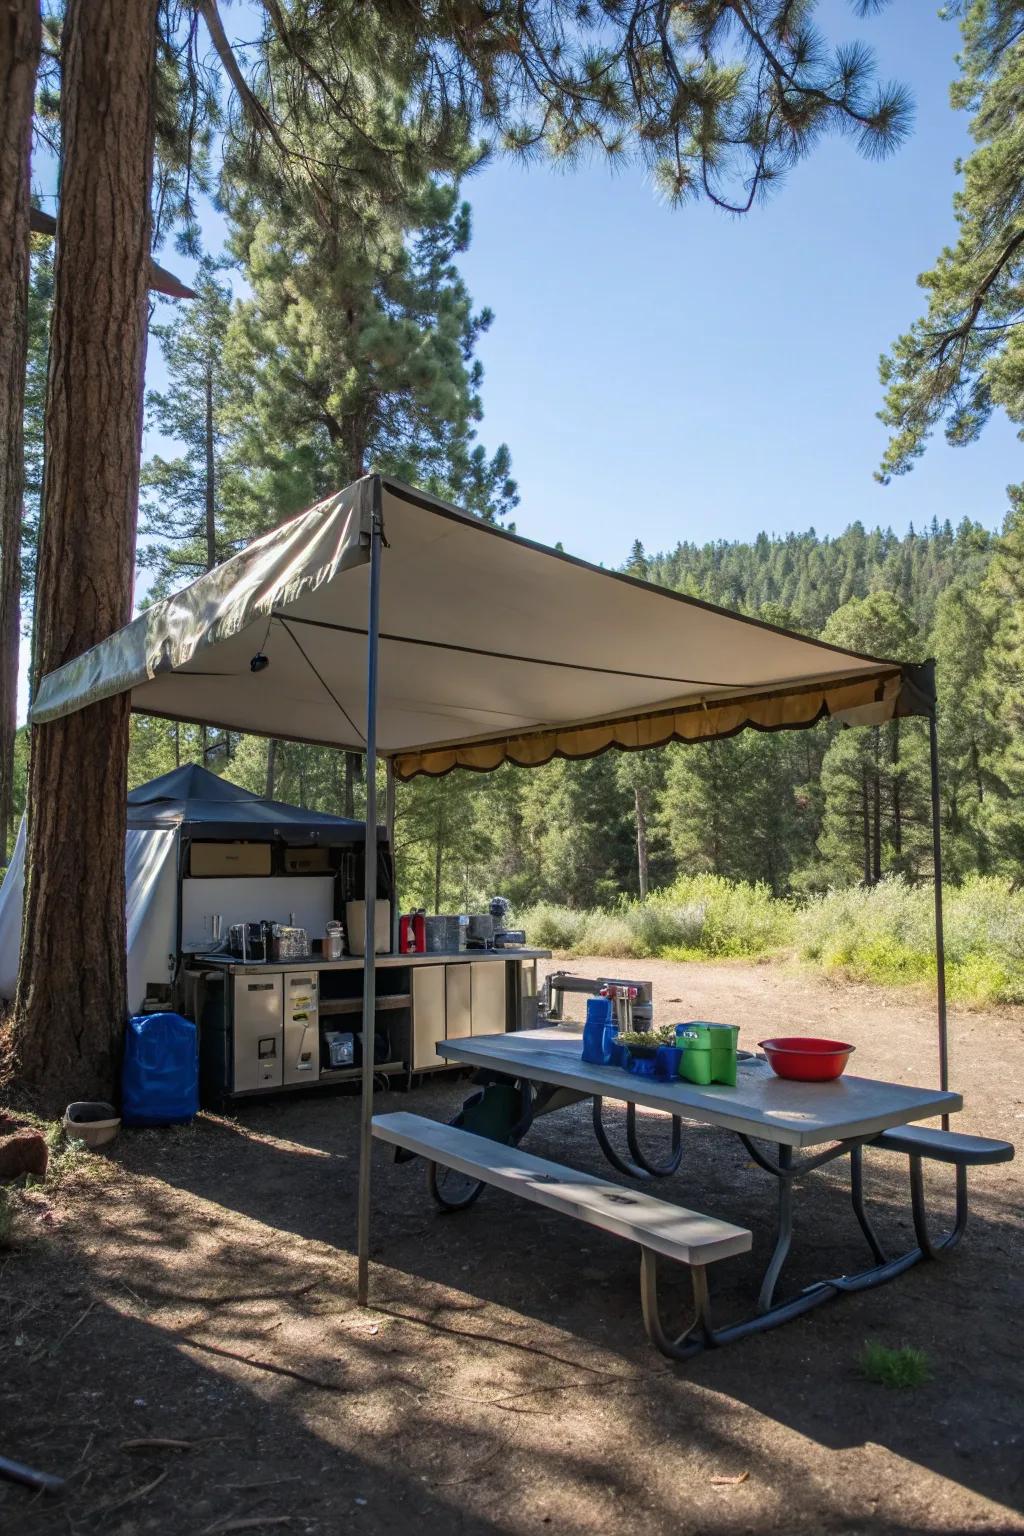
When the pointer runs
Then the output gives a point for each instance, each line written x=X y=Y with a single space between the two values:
x=412 y=934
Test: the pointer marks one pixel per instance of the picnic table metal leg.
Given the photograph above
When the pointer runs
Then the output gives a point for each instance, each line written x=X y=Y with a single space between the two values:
x=783 y=1231
x=933 y=1248
x=857 y=1201
x=697 y=1334
x=620 y=1164
x=658 y=1170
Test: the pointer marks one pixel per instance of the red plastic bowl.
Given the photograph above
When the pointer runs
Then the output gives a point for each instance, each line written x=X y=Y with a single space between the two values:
x=806 y=1058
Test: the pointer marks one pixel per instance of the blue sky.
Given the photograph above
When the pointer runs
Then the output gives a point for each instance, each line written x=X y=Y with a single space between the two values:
x=669 y=375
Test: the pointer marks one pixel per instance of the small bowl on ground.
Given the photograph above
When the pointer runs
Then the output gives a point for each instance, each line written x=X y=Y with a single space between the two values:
x=92 y=1121
x=806 y=1058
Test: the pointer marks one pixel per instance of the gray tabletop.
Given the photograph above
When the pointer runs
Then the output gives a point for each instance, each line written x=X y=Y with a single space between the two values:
x=761 y=1104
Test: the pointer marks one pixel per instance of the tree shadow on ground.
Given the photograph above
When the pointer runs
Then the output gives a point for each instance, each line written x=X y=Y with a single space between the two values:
x=511 y=1294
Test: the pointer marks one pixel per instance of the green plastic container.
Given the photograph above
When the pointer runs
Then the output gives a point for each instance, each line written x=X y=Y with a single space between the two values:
x=708 y=1053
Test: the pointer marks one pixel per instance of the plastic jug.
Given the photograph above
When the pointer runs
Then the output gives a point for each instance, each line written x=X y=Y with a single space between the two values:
x=599 y=1032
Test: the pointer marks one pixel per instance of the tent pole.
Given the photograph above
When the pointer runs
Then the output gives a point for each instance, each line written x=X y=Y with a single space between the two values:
x=370 y=898
x=940 y=945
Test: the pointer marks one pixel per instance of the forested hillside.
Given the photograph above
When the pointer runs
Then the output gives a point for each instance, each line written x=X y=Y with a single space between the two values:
x=805 y=578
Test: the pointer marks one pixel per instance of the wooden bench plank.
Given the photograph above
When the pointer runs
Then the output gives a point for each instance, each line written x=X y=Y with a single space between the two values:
x=671 y=1230
x=944 y=1146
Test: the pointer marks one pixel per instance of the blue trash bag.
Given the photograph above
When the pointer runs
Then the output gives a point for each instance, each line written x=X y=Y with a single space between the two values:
x=160 y=1075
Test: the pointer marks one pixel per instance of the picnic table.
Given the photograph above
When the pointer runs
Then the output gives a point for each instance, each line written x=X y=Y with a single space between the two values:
x=788 y=1128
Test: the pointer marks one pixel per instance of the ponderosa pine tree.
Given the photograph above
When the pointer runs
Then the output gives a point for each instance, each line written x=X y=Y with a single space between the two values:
x=71 y=999
x=875 y=818
x=963 y=358
x=20 y=36
x=356 y=347
x=640 y=775
x=1002 y=815
x=966 y=619
x=739 y=808
x=355 y=350
x=181 y=525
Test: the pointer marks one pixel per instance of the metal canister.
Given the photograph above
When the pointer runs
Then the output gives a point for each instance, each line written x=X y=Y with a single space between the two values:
x=480 y=930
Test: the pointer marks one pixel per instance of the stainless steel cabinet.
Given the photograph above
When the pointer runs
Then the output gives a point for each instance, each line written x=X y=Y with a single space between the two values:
x=258 y=1043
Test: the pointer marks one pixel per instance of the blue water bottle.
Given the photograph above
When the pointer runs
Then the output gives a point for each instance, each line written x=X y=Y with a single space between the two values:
x=599 y=1032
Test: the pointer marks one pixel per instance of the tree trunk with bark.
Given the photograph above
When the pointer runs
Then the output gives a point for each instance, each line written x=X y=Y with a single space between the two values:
x=640 y=806
x=71 y=1002
x=865 y=817
x=271 y=766
x=876 y=814
x=897 y=796
x=19 y=59
x=439 y=835
x=210 y=489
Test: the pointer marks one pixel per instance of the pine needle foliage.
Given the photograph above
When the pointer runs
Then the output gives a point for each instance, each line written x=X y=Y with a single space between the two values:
x=964 y=357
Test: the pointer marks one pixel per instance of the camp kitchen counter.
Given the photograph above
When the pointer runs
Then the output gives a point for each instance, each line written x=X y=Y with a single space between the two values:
x=263 y=1023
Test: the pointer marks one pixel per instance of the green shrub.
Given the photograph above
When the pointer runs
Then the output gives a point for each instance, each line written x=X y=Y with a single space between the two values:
x=901 y=1368
x=552 y=927
x=885 y=934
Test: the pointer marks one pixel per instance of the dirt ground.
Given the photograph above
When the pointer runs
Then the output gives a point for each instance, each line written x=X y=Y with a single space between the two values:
x=197 y=1286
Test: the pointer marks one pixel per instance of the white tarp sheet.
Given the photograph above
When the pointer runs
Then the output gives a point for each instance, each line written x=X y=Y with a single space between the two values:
x=151 y=876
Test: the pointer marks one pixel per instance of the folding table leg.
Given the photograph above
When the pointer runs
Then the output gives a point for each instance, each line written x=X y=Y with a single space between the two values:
x=857 y=1201
x=784 y=1230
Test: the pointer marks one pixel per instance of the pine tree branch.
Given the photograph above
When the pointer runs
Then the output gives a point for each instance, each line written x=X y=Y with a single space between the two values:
x=963 y=330
x=253 y=107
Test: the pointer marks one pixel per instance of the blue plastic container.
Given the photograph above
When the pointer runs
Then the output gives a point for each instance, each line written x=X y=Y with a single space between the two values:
x=599 y=1036
x=160 y=1074
x=666 y=1062
x=599 y=1010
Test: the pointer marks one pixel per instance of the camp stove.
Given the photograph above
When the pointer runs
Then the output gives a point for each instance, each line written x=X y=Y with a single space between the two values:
x=636 y=1006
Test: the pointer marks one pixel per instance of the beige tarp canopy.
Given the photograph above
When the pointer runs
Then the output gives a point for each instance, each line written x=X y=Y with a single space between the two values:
x=492 y=648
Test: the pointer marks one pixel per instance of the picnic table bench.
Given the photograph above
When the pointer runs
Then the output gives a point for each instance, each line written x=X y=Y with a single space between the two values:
x=825 y=1121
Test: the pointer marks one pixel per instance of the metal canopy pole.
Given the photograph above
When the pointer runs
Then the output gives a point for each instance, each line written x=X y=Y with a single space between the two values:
x=940 y=945
x=370 y=899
